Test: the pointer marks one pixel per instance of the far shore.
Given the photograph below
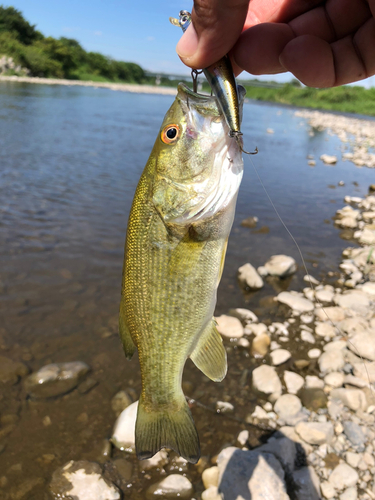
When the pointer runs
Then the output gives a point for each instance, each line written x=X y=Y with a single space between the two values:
x=123 y=87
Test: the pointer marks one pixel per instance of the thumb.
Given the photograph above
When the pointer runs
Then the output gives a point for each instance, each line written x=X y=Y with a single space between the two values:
x=216 y=26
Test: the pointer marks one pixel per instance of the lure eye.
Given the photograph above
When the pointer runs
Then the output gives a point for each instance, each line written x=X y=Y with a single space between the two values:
x=170 y=133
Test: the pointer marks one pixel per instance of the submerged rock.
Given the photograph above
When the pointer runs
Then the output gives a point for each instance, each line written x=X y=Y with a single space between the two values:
x=82 y=480
x=10 y=370
x=173 y=486
x=123 y=436
x=55 y=379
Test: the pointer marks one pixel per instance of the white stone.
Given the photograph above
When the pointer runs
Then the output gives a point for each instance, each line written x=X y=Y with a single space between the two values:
x=353 y=459
x=363 y=344
x=315 y=432
x=365 y=370
x=260 y=413
x=343 y=476
x=250 y=474
x=334 y=379
x=173 y=486
x=313 y=382
x=369 y=288
x=310 y=279
x=256 y=329
x=355 y=381
x=288 y=408
x=281 y=266
x=353 y=325
x=244 y=315
x=331 y=361
x=224 y=407
x=307 y=337
x=328 y=491
x=336 y=345
x=349 y=494
x=352 y=299
x=293 y=382
x=212 y=493
x=243 y=437
x=248 y=277
x=333 y=314
x=296 y=302
x=329 y=159
x=280 y=356
x=314 y=353
x=123 y=436
x=229 y=327
x=210 y=477
x=260 y=345
x=306 y=318
x=354 y=399
x=325 y=295
x=266 y=380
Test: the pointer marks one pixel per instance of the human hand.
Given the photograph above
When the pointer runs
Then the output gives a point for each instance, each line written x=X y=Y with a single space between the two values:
x=322 y=44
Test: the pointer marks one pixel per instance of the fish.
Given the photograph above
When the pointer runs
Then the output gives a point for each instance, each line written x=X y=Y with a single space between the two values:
x=176 y=241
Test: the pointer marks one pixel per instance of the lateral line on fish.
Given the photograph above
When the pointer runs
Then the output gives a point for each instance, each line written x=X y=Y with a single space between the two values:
x=307 y=272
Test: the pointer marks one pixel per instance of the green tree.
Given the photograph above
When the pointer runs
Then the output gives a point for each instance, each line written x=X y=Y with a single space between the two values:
x=12 y=20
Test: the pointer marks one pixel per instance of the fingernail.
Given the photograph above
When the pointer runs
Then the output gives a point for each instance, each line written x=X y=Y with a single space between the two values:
x=188 y=43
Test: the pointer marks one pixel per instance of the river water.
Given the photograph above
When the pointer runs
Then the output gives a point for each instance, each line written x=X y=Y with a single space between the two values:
x=70 y=159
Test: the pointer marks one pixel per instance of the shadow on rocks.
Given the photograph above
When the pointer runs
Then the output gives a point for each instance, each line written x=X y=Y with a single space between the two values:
x=276 y=470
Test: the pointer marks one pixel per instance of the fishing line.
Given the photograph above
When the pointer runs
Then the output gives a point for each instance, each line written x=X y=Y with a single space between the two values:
x=307 y=272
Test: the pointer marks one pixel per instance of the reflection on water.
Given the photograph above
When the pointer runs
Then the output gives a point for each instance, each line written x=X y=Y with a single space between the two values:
x=70 y=159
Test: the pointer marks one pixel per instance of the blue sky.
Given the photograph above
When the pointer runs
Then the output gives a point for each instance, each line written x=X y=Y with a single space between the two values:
x=136 y=30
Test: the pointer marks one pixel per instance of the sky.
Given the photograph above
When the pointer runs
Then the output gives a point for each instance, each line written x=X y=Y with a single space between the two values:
x=134 y=31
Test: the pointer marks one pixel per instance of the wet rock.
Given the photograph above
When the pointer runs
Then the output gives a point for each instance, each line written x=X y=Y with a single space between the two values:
x=210 y=477
x=86 y=386
x=354 y=399
x=313 y=398
x=82 y=480
x=343 y=476
x=10 y=370
x=354 y=433
x=173 y=486
x=363 y=344
x=293 y=382
x=331 y=361
x=256 y=329
x=55 y=379
x=229 y=327
x=307 y=482
x=120 y=401
x=249 y=278
x=265 y=380
x=315 y=432
x=260 y=345
x=296 y=302
x=328 y=159
x=280 y=356
x=158 y=460
x=249 y=222
x=281 y=266
x=123 y=436
x=288 y=408
x=334 y=379
x=124 y=468
x=250 y=474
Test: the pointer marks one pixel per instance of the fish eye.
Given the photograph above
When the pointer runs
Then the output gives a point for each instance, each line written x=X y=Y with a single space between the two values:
x=170 y=133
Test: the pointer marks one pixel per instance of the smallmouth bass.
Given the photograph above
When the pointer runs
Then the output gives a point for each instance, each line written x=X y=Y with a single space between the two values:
x=175 y=247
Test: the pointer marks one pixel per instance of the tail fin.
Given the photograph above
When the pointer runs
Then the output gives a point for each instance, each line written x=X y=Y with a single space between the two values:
x=166 y=429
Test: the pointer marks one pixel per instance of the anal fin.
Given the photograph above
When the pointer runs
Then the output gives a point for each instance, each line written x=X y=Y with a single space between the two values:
x=209 y=354
x=125 y=336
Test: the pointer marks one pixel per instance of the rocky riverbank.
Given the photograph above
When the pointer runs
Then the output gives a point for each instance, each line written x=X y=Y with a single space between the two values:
x=122 y=87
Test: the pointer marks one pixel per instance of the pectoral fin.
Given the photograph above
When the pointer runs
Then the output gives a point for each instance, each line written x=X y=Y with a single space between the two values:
x=125 y=336
x=185 y=256
x=209 y=354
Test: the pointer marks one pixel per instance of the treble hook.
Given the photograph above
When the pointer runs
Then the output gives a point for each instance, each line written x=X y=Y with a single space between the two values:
x=238 y=137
